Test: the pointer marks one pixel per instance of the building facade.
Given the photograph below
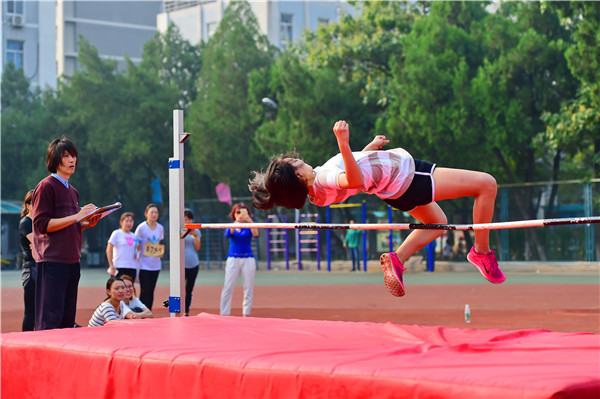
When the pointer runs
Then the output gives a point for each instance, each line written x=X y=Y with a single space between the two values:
x=118 y=29
x=42 y=36
x=281 y=21
x=28 y=39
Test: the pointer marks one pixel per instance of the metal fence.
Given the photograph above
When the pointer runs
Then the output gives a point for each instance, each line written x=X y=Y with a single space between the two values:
x=540 y=200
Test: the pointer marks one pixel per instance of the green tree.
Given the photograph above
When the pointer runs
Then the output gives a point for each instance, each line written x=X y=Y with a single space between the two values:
x=361 y=46
x=175 y=61
x=575 y=130
x=123 y=130
x=525 y=74
x=477 y=82
x=430 y=112
x=584 y=58
x=431 y=108
x=340 y=71
x=24 y=133
x=222 y=144
x=310 y=101
x=573 y=133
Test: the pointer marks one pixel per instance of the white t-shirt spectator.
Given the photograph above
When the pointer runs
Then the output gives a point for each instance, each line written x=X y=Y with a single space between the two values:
x=124 y=249
x=135 y=302
x=145 y=234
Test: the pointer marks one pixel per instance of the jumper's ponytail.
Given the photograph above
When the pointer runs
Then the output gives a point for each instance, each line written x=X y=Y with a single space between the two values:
x=261 y=198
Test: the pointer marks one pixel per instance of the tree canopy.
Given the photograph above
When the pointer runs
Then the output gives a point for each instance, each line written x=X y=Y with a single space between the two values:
x=25 y=124
x=223 y=145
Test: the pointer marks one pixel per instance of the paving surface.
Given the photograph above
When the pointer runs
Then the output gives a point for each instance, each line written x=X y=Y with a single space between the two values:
x=557 y=297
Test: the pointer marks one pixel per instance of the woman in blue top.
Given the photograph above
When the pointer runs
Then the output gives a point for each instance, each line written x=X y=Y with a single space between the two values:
x=240 y=259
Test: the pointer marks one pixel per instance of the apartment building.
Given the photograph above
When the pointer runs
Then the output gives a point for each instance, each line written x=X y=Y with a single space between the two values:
x=281 y=21
x=28 y=37
x=42 y=35
x=116 y=28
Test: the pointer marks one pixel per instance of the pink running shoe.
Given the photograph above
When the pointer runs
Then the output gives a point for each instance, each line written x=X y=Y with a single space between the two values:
x=392 y=273
x=487 y=265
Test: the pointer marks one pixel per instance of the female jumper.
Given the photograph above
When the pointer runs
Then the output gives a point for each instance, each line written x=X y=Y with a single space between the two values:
x=408 y=184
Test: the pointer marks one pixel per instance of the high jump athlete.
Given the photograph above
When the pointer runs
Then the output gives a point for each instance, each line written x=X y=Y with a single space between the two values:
x=408 y=184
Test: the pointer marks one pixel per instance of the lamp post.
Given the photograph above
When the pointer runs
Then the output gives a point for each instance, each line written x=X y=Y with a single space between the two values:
x=271 y=108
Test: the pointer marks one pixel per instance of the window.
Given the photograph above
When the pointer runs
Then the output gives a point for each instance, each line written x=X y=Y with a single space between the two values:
x=323 y=21
x=285 y=33
x=14 y=52
x=211 y=28
x=14 y=6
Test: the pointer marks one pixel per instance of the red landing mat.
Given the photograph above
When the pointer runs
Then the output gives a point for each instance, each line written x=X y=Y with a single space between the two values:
x=210 y=356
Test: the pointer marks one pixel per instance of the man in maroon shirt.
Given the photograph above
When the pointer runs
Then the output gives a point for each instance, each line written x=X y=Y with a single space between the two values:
x=57 y=238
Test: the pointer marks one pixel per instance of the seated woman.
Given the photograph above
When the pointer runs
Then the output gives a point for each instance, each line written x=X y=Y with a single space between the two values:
x=113 y=307
x=133 y=302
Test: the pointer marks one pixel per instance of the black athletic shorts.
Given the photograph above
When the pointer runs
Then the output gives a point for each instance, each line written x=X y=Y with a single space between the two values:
x=421 y=190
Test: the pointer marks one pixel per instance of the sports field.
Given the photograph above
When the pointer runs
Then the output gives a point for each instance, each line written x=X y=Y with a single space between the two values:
x=556 y=297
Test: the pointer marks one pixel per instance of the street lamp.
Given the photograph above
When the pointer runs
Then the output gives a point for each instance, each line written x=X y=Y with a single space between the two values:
x=271 y=108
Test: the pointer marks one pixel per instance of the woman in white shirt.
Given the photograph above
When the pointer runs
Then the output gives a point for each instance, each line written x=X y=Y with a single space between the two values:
x=113 y=307
x=132 y=302
x=121 y=249
x=150 y=233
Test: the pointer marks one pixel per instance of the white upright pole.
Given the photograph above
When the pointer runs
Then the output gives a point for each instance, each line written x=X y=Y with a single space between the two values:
x=176 y=223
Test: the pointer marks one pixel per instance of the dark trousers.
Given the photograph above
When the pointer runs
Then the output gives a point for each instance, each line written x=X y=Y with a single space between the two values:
x=127 y=271
x=190 y=280
x=148 y=280
x=355 y=259
x=56 y=295
x=29 y=276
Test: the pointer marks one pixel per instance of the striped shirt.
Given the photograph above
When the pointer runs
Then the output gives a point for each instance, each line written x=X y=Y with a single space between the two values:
x=386 y=174
x=106 y=312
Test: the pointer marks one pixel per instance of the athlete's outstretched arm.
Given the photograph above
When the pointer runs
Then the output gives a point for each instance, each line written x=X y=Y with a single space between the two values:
x=378 y=142
x=353 y=177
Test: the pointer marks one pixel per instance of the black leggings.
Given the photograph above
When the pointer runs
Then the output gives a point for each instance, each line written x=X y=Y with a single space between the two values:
x=127 y=271
x=148 y=280
x=190 y=280
x=29 y=276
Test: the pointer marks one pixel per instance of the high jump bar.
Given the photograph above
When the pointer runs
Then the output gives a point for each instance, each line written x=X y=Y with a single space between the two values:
x=518 y=224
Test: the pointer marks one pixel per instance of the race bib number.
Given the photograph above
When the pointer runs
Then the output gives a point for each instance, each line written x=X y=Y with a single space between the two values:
x=154 y=250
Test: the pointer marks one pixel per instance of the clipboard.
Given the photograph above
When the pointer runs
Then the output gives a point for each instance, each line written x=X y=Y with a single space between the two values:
x=104 y=211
